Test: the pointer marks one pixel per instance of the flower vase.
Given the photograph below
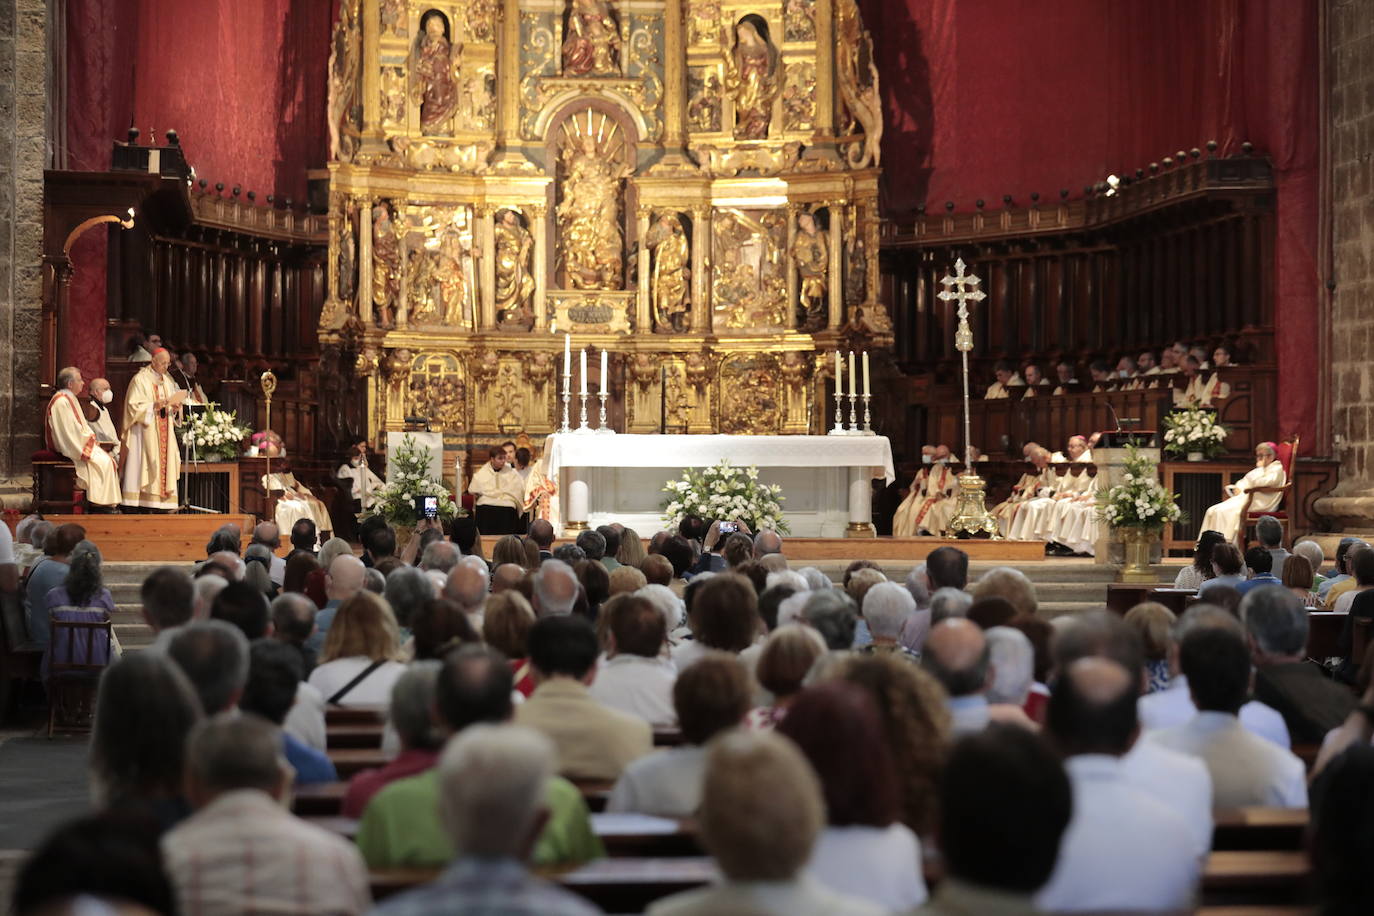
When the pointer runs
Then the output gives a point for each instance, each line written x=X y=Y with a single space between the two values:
x=1195 y=456
x=1136 y=544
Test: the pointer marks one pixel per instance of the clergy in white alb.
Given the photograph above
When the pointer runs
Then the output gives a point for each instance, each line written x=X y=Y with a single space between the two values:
x=151 y=461
x=500 y=495
x=365 y=483
x=295 y=502
x=1268 y=472
x=70 y=434
x=930 y=505
x=98 y=415
x=1034 y=483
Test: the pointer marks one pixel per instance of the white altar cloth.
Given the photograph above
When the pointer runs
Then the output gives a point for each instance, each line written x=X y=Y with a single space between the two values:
x=826 y=480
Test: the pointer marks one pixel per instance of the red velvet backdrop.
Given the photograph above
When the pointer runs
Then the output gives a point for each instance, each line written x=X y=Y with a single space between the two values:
x=999 y=97
x=983 y=99
x=242 y=81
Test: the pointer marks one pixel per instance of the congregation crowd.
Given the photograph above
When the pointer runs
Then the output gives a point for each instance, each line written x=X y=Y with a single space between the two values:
x=837 y=743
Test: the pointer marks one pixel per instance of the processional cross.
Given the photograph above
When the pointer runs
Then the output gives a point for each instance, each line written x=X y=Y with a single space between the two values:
x=972 y=516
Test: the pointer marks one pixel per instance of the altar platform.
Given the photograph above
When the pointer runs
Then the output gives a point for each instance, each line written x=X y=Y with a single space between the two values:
x=155 y=538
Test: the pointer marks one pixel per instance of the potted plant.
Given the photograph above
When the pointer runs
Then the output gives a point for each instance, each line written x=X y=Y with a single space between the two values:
x=726 y=492
x=1195 y=433
x=408 y=479
x=1138 y=508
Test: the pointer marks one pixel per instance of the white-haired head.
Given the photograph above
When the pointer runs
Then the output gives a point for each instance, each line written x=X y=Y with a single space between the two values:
x=786 y=577
x=887 y=606
x=492 y=781
x=815 y=579
x=669 y=605
x=1013 y=665
x=791 y=608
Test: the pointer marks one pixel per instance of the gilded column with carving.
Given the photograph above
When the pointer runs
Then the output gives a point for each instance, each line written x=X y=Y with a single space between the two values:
x=701 y=269
x=487 y=228
x=643 y=320
x=372 y=75
x=836 y=262
x=539 y=218
x=364 y=297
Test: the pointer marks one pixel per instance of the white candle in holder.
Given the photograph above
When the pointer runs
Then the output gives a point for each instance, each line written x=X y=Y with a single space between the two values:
x=604 y=355
x=867 y=390
x=853 y=385
x=839 y=374
x=583 y=392
x=567 y=354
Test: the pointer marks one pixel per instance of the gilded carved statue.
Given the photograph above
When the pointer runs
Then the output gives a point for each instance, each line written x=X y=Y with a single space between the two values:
x=590 y=239
x=514 y=274
x=592 y=43
x=856 y=75
x=435 y=66
x=348 y=253
x=345 y=69
x=386 y=264
x=455 y=254
x=751 y=78
x=811 y=255
x=668 y=287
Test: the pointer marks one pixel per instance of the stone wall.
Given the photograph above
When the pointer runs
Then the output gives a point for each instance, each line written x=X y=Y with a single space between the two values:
x=1351 y=32
x=24 y=150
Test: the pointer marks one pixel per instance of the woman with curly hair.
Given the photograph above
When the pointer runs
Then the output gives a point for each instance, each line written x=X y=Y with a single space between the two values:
x=916 y=723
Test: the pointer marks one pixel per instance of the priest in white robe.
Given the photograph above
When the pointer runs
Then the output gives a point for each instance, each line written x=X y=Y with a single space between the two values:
x=70 y=434
x=1030 y=486
x=151 y=461
x=365 y=483
x=930 y=504
x=98 y=415
x=1225 y=516
x=295 y=502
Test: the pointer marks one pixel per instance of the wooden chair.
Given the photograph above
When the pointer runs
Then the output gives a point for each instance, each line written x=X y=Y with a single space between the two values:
x=54 y=483
x=1288 y=457
x=20 y=660
x=79 y=651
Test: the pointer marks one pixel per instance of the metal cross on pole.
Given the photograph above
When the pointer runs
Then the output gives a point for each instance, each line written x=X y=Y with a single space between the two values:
x=972 y=517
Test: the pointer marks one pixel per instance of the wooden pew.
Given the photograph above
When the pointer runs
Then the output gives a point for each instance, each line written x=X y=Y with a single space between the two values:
x=1323 y=632
x=1232 y=877
x=1121 y=597
x=630 y=885
x=350 y=761
x=354 y=715
x=361 y=736
x=1259 y=828
x=323 y=799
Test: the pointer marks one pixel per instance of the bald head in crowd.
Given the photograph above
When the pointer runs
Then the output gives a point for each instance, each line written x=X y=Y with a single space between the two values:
x=1093 y=708
x=956 y=652
x=344 y=578
x=555 y=589
x=466 y=587
x=767 y=542
x=506 y=576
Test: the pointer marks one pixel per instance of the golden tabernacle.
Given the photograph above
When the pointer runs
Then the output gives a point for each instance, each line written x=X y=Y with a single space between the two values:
x=690 y=185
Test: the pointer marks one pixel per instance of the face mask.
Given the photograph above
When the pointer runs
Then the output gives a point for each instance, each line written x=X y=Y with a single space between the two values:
x=1123 y=374
x=106 y=396
x=357 y=462
x=925 y=459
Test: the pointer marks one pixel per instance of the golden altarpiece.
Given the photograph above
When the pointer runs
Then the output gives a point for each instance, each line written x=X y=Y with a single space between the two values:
x=689 y=184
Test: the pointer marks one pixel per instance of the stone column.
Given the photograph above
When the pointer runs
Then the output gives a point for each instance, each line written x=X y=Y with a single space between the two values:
x=24 y=82
x=643 y=321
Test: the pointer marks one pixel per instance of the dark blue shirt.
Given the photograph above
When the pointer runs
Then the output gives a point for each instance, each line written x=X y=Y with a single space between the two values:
x=310 y=765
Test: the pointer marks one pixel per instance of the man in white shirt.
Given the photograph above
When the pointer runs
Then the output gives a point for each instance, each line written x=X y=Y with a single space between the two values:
x=637 y=678
x=1124 y=850
x=1246 y=769
x=243 y=851
x=500 y=495
x=1174 y=705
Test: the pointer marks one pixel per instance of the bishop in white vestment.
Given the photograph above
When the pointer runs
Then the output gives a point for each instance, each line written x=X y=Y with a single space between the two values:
x=1268 y=472
x=151 y=460
x=72 y=436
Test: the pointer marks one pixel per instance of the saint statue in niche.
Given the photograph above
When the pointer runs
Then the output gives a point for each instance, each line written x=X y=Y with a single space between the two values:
x=751 y=77
x=592 y=45
x=668 y=242
x=811 y=254
x=593 y=161
x=386 y=264
x=435 y=65
x=514 y=275
x=348 y=252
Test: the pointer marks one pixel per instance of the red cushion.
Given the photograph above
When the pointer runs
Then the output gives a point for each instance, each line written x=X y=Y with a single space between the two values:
x=1285 y=456
x=1276 y=513
x=46 y=454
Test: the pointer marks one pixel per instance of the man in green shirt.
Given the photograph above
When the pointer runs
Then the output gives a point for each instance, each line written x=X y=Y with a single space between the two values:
x=401 y=827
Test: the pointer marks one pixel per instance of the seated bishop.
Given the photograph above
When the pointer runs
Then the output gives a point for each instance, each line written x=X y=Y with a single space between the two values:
x=1036 y=482
x=70 y=434
x=295 y=502
x=929 y=506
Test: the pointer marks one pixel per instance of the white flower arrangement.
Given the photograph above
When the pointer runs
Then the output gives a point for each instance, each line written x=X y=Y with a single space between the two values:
x=214 y=434
x=410 y=479
x=1139 y=500
x=1193 y=429
x=727 y=493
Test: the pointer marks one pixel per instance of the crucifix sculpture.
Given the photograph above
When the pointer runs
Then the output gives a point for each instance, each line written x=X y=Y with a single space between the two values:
x=972 y=516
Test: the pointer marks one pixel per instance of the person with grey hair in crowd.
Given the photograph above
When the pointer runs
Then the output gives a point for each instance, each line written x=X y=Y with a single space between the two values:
x=410 y=714
x=1013 y=666
x=28 y=545
x=214 y=657
x=1311 y=703
x=467 y=587
x=1269 y=533
x=767 y=542
x=917 y=626
x=204 y=591
x=407 y=590
x=555 y=589
x=949 y=602
x=243 y=850
x=492 y=781
x=833 y=615
x=441 y=556
x=887 y=608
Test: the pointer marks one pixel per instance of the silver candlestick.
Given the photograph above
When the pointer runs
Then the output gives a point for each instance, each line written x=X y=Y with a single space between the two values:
x=583 y=427
x=601 y=424
x=853 y=414
x=868 y=418
x=839 y=416
x=567 y=396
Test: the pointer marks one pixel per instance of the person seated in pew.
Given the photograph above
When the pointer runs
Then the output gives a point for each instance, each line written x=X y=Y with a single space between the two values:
x=761 y=812
x=1261 y=566
x=401 y=826
x=412 y=697
x=1039 y=478
x=637 y=676
x=1101 y=372
x=1126 y=373
x=1311 y=703
x=1065 y=380
x=711 y=697
x=1340 y=596
x=930 y=504
x=1007 y=379
x=243 y=851
x=1035 y=381
x=1228 y=571
x=274 y=677
x=1123 y=850
x=1200 y=570
x=1246 y=770
x=491 y=801
x=1173 y=705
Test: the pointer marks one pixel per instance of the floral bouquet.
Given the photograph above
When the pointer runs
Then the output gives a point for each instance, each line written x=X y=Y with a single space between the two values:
x=1194 y=430
x=214 y=434
x=408 y=469
x=725 y=492
x=1139 y=500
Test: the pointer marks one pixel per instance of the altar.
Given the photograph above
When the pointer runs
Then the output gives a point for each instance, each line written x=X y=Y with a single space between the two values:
x=826 y=480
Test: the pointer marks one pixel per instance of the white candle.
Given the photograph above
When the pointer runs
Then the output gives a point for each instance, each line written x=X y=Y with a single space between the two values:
x=867 y=390
x=603 y=371
x=583 y=392
x=839 y=374
x=853 y=386
x=567 y=353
